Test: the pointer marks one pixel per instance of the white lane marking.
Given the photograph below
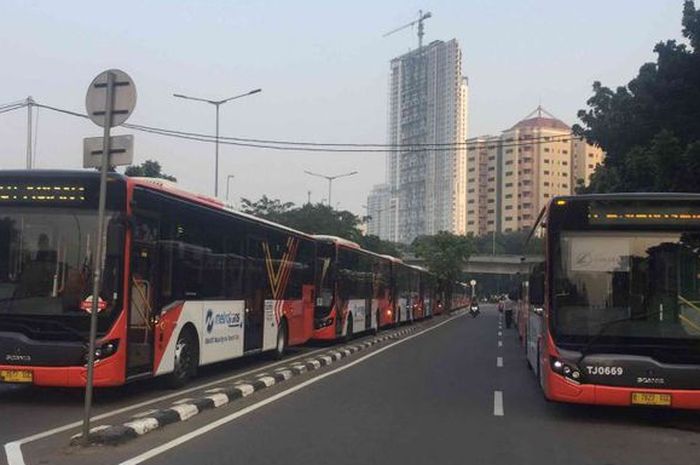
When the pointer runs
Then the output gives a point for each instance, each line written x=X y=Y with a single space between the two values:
x=500 y=333
x=498 y=403
x=251 y=408
x=500 y=343
x=499 y=362
x=95 y=429
x=145 y=413
x=13 y=449
x=182 y=401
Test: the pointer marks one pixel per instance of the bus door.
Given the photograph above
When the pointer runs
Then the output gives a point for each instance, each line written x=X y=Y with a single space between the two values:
x=256 y=288
x=143 y=277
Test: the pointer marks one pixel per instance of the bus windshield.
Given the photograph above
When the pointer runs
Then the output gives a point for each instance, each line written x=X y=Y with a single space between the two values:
x=648 y=283
x=46 y=262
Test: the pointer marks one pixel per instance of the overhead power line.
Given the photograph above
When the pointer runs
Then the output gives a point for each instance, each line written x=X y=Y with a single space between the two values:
x=8 y=108
x=284 y=145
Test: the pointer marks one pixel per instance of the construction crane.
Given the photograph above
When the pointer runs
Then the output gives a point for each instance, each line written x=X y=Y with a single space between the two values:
x=421 y=17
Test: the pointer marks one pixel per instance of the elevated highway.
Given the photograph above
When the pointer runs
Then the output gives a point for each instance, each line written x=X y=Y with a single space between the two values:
x=492 y=264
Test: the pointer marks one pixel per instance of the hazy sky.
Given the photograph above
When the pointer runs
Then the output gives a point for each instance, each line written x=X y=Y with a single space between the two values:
x=322 y=65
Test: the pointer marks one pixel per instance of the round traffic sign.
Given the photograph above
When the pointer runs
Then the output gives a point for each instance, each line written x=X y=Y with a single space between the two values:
x=124 y=101
x=473 y=282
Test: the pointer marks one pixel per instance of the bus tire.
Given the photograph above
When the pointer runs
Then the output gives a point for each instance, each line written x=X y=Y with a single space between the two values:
x=282 y=340
x=186 y=359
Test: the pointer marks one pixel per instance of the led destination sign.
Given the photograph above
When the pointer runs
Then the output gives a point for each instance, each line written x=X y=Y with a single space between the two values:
x=42 y=193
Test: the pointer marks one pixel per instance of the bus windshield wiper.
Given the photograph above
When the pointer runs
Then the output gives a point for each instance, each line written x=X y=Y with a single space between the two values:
x=587 y=348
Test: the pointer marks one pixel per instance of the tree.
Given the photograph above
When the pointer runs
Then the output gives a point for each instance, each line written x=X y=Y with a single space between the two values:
x=323 y=219
x=380 y=246
x=148 y=169
x=267 y=208
x=445 y=254
x=650 y=129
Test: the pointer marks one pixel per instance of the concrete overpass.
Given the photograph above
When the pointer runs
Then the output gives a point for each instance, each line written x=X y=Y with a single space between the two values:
x=492 y=264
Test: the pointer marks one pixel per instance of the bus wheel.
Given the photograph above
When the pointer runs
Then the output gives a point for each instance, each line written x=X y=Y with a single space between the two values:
x=186 y=359
x=281 y=346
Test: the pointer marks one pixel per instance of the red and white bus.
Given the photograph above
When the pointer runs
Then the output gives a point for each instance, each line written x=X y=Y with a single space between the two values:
x=355 y=291
x=614 y=310
x=187 y=282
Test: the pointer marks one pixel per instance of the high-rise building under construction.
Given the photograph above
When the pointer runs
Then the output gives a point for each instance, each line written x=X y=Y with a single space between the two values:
x=425 y=190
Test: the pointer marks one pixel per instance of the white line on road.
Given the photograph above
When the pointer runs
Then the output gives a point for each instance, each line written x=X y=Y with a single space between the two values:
x=499 y=362
x=498 y=403
x=500 y=343
x=500 y=333
x=13 y=450
x=251 y=408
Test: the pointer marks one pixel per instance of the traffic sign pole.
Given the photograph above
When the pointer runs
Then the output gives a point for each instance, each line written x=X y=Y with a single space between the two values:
x=99 y=256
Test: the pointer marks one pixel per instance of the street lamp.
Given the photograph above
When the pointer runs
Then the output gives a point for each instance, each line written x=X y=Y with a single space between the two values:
x=330 y=180
x=217 y=104
x=228 y=183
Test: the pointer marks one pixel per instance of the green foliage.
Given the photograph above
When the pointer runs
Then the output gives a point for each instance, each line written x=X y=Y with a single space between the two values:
x=445 y=254
x=377 y=245
x=265 y=207
x=650 y=129
x=322 y=219
x=318 y=219
x=148 y=169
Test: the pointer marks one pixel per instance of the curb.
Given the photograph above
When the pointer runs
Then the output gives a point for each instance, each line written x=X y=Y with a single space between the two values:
x=185 y=409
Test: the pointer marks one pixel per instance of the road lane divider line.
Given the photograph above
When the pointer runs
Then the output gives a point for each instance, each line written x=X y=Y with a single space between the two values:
x=13 y=449
x=500 y=343
x=499 y=362
x=184 y=409
x=280 y=395
x=500 y=333
x=498 y=403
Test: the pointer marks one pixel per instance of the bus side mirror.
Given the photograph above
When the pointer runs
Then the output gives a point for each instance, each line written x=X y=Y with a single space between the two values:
x=536 y=289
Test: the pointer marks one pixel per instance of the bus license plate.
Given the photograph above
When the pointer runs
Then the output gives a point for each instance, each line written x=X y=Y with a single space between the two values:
x=16 y=376
x=648 y=398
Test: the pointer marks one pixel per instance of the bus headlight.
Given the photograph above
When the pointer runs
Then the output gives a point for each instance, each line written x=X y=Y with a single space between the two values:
x=570 y=372
x=324 y=323
x=105 y=349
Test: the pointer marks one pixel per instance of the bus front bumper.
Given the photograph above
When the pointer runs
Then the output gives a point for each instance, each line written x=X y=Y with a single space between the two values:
x=108 y=372
x=562 y=390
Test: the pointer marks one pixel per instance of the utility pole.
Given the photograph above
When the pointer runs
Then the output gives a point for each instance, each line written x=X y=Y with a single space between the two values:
x=308 y=197
x=217 y=104
x=30 y=155
x=330 y=180
x=228 y=182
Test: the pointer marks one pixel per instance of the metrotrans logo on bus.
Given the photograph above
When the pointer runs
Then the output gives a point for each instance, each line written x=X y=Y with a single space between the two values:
x=221 y=322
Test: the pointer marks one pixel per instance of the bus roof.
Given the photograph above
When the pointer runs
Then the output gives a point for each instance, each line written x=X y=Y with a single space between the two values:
x=157 y=184
x=630 y=196
x=337 y=240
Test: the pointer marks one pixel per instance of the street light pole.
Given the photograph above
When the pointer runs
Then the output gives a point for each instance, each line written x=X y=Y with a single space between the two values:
x=228 y=180
x=217 y=104
x=330 y=180
x=216 y=161
x=30 y=155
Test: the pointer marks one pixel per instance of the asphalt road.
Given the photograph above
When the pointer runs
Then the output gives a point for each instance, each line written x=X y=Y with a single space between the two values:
x=431 y=398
